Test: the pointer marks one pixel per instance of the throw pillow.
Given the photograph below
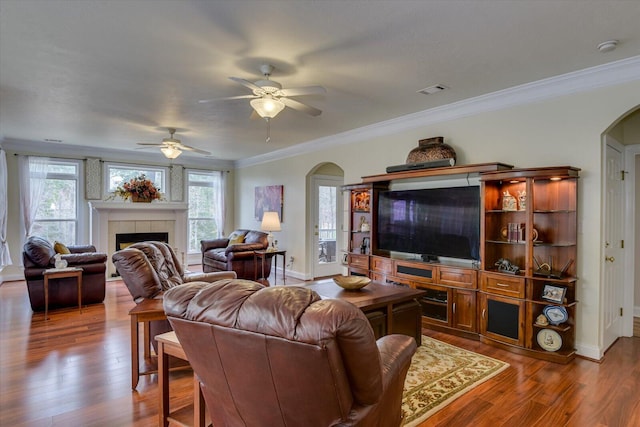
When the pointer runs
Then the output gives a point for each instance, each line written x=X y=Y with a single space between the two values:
x=60 y=248
x=236 y=238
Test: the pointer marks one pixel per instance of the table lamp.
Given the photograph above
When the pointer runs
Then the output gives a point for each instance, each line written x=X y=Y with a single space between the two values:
x=270 y=222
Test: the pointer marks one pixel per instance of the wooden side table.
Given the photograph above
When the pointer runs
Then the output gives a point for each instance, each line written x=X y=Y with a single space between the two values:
x=168 y=345
x=262 y=255
x=61 y=273
x=144 y=312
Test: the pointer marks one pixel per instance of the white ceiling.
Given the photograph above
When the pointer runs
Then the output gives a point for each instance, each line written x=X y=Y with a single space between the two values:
x=113 y=73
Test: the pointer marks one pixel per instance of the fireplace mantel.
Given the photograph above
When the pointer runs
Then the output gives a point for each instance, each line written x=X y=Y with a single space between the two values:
x=107 y=216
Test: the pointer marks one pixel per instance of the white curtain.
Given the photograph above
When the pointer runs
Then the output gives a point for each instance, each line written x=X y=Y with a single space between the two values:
x=33 y=176
x=220 y=211
x=5 y=256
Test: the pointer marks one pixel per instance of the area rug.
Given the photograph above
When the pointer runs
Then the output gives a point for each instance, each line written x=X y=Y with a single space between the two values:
x=440 y=373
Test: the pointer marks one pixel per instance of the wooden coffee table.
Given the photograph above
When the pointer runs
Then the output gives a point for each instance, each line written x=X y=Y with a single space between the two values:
x=376 y=296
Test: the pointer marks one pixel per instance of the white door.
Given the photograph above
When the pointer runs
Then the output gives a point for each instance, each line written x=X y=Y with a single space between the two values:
x=327 y=222
x=613 y=283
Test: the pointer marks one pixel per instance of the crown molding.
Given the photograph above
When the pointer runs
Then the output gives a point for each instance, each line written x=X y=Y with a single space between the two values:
x=613 y=73
x=81 y=152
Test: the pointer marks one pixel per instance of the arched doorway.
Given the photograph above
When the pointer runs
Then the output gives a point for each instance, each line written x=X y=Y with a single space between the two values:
x=324 y=220
x=620 y=225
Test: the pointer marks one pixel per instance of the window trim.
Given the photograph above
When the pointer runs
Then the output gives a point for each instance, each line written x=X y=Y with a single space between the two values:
x=165 y=187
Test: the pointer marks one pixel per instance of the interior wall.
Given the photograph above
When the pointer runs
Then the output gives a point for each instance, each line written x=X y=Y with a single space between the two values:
x=636 y=287
x=561 y=131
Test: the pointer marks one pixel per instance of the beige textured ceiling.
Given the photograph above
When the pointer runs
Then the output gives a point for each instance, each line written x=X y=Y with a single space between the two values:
x=113 y=73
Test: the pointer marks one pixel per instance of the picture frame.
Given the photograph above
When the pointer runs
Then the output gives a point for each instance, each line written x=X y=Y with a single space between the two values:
x=268 y=199
x=554 y=293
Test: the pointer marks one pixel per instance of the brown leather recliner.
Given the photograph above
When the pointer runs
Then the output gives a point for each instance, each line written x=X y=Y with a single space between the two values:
x=281 y=356
x=38 y=256
x=150 y=268
x=219 y=255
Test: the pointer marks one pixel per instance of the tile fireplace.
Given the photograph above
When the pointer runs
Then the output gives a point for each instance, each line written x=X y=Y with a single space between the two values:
x=109 y=219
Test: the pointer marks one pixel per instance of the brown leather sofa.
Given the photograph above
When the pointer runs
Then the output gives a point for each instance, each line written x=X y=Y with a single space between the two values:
x=38 y=256
x=281 y=356
x=150 y=268
x=219 y=255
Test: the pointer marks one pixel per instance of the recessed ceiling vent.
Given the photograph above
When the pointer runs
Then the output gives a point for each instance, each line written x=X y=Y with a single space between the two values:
x=432 y=89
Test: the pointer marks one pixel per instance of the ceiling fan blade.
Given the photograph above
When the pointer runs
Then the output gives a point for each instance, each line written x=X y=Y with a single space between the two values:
x=151 y=144
x=195 y=150
x=246 y=83
x=297 y=105
x=306 y=90
x=206 y=101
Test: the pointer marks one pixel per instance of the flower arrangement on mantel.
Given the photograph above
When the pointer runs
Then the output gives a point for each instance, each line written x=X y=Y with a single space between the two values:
x=139 y=189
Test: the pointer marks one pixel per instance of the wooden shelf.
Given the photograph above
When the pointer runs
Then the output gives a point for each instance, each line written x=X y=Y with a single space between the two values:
x=448 y=170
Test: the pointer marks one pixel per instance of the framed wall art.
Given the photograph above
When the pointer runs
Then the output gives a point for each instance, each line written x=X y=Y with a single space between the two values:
x=268 y=199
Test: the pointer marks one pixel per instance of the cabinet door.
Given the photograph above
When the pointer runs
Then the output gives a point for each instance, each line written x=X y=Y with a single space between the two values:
x=463 y=310
x=435 y=304
x=502 y=319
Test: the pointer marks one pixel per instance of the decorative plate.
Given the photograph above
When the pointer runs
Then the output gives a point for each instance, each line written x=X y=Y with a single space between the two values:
x=352 y=283
x=556 y=314
x=549 y=340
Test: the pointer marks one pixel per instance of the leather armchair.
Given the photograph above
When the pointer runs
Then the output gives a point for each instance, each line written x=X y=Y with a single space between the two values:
x=148 y=269
x=281 y=356
x=219 y=255
x=38 y=256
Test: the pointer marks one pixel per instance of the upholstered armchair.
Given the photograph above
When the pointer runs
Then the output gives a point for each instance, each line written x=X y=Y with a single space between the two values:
x=148 y=269
x=281 y=356
x=235 y=253
x=38 y=255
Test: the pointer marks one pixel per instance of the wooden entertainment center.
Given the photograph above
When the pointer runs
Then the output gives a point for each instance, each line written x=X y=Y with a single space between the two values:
x=527 y=217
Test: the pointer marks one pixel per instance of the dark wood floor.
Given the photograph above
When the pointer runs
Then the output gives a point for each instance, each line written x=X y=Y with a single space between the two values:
x=74 y=370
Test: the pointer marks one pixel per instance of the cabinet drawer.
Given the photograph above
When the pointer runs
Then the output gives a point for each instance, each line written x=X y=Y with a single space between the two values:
x=381 y=265
x=416 y=271
x=359 y=261
x=501 y=284
x=458 y=277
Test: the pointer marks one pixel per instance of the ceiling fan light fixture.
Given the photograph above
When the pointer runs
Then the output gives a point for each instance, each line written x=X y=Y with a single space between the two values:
x=170 y=152
x=267 y=106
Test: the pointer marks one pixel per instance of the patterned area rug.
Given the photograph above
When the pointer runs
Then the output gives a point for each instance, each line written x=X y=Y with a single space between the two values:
x=440 y=373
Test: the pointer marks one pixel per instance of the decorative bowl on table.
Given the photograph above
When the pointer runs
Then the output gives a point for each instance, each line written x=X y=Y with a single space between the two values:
x=352 y=283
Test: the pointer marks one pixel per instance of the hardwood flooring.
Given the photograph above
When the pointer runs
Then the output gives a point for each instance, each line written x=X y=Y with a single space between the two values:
x=74 y=370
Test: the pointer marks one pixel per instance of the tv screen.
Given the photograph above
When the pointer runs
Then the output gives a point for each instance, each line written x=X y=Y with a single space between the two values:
x=431 y=222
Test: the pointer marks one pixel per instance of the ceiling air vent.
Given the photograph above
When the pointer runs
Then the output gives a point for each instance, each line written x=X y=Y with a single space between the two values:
x=432 y=89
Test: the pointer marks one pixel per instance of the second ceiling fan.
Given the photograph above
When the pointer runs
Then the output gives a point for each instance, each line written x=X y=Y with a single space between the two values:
x=269 y=98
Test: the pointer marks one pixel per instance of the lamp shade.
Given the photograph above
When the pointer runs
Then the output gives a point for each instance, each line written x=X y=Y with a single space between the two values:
x=170 y=152
x=270 y=222
x=267 y=106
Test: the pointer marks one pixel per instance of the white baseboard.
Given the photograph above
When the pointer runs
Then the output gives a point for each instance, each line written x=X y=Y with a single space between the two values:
x=636 y=311
x=590 y=352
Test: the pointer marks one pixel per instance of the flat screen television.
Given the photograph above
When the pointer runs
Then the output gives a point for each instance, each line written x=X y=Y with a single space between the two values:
x=435 y=222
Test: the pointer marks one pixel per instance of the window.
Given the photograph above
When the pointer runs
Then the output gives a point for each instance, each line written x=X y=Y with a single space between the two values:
x=118 y=174
x=57 y=214
x=206 y=207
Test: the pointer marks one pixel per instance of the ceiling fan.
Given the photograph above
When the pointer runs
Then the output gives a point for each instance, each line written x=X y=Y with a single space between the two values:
x=269 y=98
x=172 y=147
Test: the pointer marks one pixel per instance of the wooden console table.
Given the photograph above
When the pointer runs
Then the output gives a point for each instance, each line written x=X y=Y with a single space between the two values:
x=59 y=273
x=375 y=296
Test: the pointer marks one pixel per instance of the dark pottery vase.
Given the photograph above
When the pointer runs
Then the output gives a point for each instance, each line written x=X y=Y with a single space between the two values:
x=431 y=149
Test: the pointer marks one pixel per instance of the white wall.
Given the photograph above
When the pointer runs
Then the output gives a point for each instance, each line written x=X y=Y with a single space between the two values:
x=565 y=130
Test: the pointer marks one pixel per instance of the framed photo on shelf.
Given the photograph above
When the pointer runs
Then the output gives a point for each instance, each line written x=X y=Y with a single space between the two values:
x=554 y=293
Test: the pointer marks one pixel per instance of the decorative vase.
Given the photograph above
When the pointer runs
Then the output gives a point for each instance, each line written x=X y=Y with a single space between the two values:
x=431 y=149
x=135 y=198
